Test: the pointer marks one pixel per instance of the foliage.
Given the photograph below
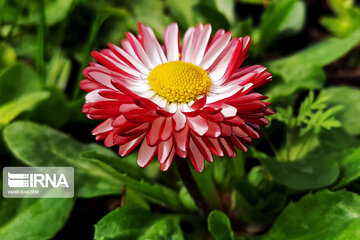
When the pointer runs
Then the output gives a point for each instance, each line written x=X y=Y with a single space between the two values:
x=301 y=181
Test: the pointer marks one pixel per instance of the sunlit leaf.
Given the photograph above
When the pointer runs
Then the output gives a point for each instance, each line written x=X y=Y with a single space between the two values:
x=324 y=215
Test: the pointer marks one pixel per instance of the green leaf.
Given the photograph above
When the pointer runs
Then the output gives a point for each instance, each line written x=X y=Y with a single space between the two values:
x=219 y=226
x=258 y=2
x=37 y=145
x=183 y=12
x=186 y=199
x=293 y=78
x=313 y=172
x=149 y=12
x=208 y=14
x=350 y=167
x=55 y=11
x=12 y=109
x=228 y=168
x=131 y=223
x=28 y=218
x=303 y=70
x=153 y=192
x=227 y=8
x=324 y=215
x=58 y=71
x=319 y=54
x=18 y=80
x=273 y=203
x=281 y=17
x=246 y=190
x=133 y=199
x=349 y=116
x=207 y=186
x=53 y=111
x=346 y=20
x=7 y=55
x=261 y=180
x=126 y=165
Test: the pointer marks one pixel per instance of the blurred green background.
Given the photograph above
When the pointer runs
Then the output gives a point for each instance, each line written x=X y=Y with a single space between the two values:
x=309 y=154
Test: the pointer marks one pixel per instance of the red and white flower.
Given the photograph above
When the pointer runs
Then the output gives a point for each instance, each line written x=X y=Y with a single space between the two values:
x=189 y=99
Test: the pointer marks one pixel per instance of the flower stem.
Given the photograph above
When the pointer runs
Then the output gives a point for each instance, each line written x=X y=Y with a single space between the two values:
x=191 y=186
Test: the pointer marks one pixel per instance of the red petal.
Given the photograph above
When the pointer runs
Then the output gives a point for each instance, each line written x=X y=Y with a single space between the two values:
x=196 y=157
x=228 y=147
x=225 y=130
x=214 y=129
x=182 y=139
x=167 y=130
x=126 y=148
x=179 y=120
x=164 y=150
x=238 y=143
x=104 y=127
x=146 y=154
x=109 y=140
x=214 y=146
x=198 y=125
x=198 y=104
x=153 y=136
x=204 y=149
x=167 y=163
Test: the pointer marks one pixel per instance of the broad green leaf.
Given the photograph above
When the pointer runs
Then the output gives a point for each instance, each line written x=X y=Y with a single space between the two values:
x=127 y=165
x=186 y=199
x=324 y=215
x=12 y=109
x=281 y=17
x=319 y=54
x=313 y=172
x=303 y=70
x=350 y=167
x=131 y=223
x=297 y=147
x=335 y=142
x=248 y=191
x=261 y=180
x=273 y=203
x=153 y=192
x=17 y=81
x=347 y=19
x=38 y=145
x=259 y=2
x=183 y=12
x=133 y=199
x=227 y=8
x=53 y=111
x=27 y=218
x=7 y=55
x=208 y=14
x=219 y=226
x=55 y=11
x=149 y=12
x=294 y=78
x=350 y=99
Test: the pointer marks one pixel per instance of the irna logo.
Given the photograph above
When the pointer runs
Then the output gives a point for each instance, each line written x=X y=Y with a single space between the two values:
x=18 y=180
x=38 y=182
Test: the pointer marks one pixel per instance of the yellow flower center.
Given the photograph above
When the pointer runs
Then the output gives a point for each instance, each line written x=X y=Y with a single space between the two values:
x=179 y=82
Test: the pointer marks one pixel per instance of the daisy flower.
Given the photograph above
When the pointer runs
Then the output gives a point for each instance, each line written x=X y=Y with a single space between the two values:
x=186 y=98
